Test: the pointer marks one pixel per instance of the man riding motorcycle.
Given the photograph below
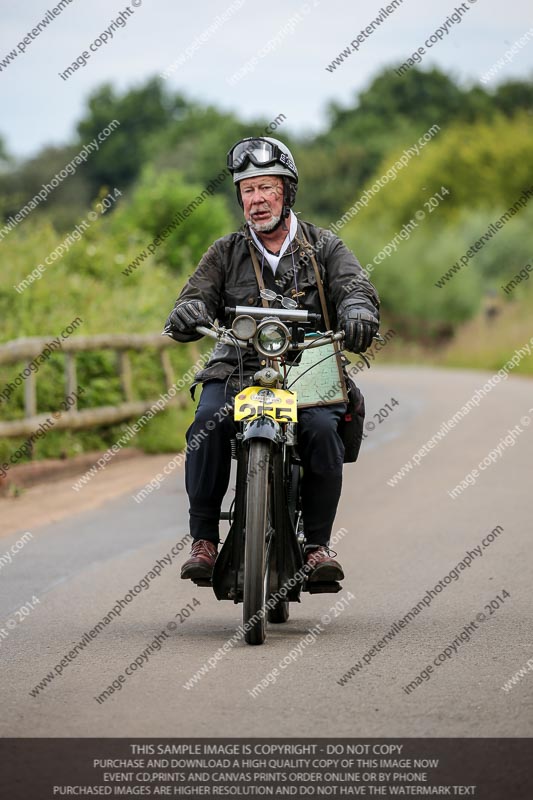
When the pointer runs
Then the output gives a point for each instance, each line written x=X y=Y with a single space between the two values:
x=266 y=180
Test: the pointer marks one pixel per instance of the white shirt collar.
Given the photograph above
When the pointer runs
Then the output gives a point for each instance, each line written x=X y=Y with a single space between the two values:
x=274 y=260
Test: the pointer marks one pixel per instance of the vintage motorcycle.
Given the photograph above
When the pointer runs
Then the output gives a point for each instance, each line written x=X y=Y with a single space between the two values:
x=261 y=563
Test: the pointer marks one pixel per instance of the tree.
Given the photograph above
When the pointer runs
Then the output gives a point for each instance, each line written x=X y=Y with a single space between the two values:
x=65 y=203
x=483 y=166
x=392 y=114
x=513 y=96
x=155 y=204
x=142 y=112
x=4 y=157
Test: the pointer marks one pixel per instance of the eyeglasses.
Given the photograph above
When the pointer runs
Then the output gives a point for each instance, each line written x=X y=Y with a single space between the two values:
x=270 y=294
x=259 y=152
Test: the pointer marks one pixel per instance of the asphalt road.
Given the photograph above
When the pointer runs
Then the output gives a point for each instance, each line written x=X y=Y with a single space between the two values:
x=399 y=542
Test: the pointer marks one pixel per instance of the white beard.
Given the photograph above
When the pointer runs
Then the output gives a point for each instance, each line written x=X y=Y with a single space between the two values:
x=265 y=226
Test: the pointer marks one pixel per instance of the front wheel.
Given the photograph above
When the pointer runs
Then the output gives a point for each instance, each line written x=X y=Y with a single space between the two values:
x=255 y=542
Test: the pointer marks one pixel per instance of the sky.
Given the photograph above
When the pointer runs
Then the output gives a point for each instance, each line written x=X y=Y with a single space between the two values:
x=292 y=44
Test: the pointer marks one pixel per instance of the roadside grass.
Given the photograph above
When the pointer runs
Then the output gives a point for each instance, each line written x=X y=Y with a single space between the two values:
x=485 y=342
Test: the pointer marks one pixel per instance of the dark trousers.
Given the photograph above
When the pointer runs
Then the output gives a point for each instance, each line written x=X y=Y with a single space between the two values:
x=208 y=465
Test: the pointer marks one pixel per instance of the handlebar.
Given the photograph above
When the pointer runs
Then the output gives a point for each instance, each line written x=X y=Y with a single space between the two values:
x=284 y=314
x=221 y=335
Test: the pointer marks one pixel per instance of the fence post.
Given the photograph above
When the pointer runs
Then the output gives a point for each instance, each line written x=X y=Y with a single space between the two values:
x=30 y=395
x=71 y=380
x=170 y=378
x=125 y=375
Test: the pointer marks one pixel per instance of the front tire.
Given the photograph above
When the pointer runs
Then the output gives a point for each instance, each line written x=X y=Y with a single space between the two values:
x=257 y=498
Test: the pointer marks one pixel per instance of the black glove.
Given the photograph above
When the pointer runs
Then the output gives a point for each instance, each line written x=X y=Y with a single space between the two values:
x=188 y=315
x=360 y=327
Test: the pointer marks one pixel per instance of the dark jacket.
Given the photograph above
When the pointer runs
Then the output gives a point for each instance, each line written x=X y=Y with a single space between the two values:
x=225 y=277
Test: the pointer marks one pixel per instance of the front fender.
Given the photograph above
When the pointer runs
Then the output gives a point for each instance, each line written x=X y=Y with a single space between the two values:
x=262 y=428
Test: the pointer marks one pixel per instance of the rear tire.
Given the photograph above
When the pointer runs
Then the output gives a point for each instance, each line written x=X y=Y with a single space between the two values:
x=280 y=612
x=257 y=499
x=281 y=505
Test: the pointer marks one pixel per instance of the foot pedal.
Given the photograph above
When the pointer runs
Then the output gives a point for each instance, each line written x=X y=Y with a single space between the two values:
x=202 y=582
x=321 y=587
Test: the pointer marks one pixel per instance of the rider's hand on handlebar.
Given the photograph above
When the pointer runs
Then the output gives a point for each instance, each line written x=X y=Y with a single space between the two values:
x=186 y=317
x=360 y=327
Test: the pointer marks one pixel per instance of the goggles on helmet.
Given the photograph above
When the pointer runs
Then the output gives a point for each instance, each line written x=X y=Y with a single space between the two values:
x=261 y=153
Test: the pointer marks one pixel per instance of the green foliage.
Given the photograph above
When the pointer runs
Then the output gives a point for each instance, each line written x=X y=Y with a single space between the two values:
x=390 y=115
x=414 y=307
x=142 y=112
x=63 y=204
x=5 y=158
x=483 y=165
x=197 y=144
x=395 y=104
x=512 y=96
x=166 y=432
x=87 y=282
x=506 y=252
x=156 y=201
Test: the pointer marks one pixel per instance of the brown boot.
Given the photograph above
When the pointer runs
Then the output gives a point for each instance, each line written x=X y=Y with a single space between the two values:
x=201 y=561
x=322 y=566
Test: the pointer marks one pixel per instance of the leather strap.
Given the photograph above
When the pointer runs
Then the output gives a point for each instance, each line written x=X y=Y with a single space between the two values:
x=259 y=277
x=304 y=244
x=307 y=247
x=320 y=286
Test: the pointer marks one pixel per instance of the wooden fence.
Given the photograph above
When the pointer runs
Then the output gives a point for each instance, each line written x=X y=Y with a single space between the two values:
x=25 y=350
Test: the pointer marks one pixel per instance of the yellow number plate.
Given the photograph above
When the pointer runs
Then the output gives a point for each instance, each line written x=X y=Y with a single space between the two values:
x=256 y=401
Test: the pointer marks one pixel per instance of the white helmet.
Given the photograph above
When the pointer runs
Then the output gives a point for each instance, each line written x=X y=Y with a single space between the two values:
x=260 y=155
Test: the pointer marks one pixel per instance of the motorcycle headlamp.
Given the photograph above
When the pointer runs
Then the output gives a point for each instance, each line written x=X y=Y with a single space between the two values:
x=272 y=338
x=244 y=327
